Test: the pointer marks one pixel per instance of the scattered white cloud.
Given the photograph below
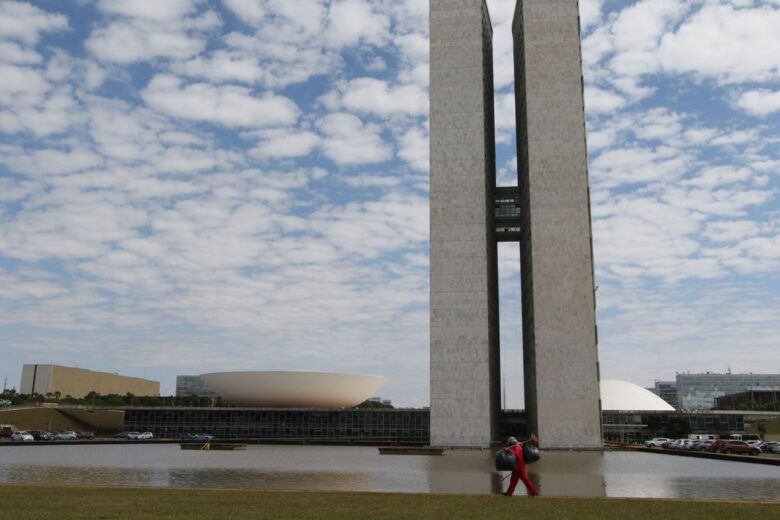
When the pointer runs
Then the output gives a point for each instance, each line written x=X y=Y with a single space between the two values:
x=280 y=144
x=351 y=22
x=347 y=140
x=760 y=102
x=24 y=22
x=369 y=95
x=224 y=105
x=144 y=29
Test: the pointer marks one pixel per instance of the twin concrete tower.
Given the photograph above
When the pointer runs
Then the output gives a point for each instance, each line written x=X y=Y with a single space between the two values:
x=548 y=214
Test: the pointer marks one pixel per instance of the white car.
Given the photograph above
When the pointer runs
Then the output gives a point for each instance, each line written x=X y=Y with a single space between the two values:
x=145 y=436
x=22 y=436
x=65 y=436
x=681 y=444
x=656 y=443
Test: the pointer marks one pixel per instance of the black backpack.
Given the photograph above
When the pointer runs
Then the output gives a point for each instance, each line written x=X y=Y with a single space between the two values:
x=531 y=452
x=506 y=461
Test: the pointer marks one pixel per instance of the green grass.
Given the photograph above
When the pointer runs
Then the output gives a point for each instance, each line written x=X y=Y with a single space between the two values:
x=19 y=502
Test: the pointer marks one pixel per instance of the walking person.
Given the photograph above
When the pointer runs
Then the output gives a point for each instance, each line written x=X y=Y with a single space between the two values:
x=519 y=473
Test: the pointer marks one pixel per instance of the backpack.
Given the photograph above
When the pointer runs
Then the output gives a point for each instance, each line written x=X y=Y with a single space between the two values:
x=531 y=452
x=506 y=461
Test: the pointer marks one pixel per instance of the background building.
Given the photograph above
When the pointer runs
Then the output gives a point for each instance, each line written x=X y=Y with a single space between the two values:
x=192 y=386
x=78 y=382
x=666 y=390
x=699 y=391
x=768 y=400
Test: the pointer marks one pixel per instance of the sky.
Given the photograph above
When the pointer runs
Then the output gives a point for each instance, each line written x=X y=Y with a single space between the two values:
x=191 y=186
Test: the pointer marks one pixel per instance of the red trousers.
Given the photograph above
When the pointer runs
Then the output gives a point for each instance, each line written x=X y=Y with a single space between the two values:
x=520 y=474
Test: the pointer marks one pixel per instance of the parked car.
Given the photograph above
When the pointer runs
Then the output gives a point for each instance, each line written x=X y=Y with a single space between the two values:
x=200 y=437
x=739 y=447
x=766 y=446
x=41 y=435
x=775 y=448
x=21 y=436
x=136 y=436
x=85 y=435
x=122 y=435
x=716 y=444
x=702 y=446
x=5 y=402
x=656 y=442
x=65 y=435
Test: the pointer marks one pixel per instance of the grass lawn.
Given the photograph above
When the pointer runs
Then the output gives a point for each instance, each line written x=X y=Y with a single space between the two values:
x=20 y=502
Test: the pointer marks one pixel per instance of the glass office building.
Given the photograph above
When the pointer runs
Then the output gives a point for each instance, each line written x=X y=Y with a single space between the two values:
x=699 y=391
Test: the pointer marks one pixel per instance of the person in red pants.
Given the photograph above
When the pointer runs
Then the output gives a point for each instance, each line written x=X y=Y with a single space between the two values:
x=519 y=473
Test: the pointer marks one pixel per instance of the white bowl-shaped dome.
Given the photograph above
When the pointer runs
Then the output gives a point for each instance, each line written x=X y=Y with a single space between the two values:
x=622 y=395
x=293 y=389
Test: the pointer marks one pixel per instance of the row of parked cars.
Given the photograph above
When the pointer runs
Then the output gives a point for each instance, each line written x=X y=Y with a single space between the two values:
x=716 y=445
x=135 y=436
x=41 y=435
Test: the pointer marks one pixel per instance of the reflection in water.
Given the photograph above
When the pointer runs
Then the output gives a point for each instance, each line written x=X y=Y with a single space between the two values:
x=570 y=473
x=342 y=468
x=469 y=471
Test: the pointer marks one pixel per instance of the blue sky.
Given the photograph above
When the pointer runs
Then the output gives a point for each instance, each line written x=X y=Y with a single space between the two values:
x=190 y=185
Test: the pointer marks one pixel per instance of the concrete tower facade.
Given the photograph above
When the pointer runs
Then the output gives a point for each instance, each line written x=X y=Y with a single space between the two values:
x=548 y=214
x=464 y=275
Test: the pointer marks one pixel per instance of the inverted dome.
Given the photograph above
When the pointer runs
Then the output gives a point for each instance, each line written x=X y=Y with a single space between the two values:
x=293 y=389
x=624 y=396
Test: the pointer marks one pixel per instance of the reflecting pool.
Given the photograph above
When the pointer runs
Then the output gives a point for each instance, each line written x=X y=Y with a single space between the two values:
x=345 y=468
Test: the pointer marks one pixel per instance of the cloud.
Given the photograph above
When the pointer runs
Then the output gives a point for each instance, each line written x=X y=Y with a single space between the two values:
x=222 y=105
x=280 y=20
x=760 y=102
x=24 y=22
x=370 y=95
x=284 y=144
x=722 y=41
x=348 y=141
x=40 y=163
x=600 y=100
x=354 y=21
x=144 y=30
x=414 y=148
x=170 y=10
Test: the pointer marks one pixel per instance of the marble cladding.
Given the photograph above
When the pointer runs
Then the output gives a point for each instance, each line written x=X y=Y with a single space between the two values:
x=464 y=333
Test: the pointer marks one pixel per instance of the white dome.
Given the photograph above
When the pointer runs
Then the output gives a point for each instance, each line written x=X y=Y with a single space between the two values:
x=293 y=389
x=624 y=396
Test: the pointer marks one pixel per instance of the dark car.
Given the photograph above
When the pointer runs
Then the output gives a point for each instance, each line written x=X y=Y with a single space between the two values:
x=739 y=447
x=85 y=435
x=122 y=435
x=40 y=435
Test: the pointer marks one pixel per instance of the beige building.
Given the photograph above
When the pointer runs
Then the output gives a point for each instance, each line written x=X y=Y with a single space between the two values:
x=78 y=382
